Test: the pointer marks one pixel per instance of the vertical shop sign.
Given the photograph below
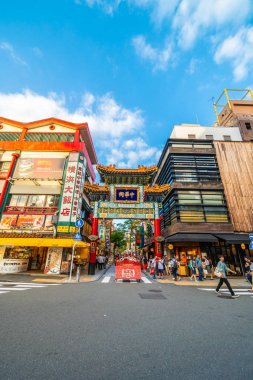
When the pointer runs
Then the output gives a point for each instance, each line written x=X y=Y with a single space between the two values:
x=68 y=192
x=71 y=202
x=78 y=195
x=101 y=232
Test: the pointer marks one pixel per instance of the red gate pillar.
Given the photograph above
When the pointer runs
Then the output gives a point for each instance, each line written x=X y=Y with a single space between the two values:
x=157 y=232
x=93 y=247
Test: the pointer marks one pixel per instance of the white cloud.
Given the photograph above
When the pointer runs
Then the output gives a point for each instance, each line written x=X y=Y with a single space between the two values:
x=186 y=22
x=108 y=6
x=193 y=64
x=10 y=51
x=115 y=129
x=159 y=58
x=160 y=9
x=193 y=19
x=237 y=50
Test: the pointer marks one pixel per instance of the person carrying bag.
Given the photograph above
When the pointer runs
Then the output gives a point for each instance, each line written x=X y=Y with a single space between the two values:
x=220 y=272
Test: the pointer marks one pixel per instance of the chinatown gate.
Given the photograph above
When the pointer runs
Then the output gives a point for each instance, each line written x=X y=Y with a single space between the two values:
x=125 y=194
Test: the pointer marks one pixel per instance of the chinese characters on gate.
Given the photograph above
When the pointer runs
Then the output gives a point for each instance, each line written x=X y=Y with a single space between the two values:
x=126 y=195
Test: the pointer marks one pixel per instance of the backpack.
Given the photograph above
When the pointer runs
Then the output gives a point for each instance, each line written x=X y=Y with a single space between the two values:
x=174 y=264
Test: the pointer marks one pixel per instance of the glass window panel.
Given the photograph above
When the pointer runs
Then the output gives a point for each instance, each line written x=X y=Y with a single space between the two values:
x=36 y=200
x=50 y=201
x=204 y=146
x=18 y=200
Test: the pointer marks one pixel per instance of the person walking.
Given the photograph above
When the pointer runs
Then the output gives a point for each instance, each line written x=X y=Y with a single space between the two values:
x=205 y=266
x=251 y=274
x=160 y=265
x=153 y=267
x=222 y=270
x=211 y=269
x=144 y=263
x=192 y=266
x=199 y=267
x=166 y=265
x=174 y=267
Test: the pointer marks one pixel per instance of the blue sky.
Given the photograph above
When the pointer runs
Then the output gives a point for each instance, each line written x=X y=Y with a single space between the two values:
x=131 y=68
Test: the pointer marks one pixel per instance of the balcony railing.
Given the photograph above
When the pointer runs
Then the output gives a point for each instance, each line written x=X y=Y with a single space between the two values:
x=30 y=210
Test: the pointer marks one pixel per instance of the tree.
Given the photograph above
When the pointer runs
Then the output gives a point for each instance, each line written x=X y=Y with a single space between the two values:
x=118 y=238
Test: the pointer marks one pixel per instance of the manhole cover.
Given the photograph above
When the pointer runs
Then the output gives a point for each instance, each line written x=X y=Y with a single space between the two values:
x=147 y=296
x=155 y=291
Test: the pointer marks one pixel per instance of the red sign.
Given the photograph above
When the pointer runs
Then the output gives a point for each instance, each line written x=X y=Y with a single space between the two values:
x=128 y=271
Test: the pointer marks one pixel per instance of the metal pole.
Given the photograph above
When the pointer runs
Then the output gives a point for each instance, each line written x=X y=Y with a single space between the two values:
x=78 y=272
x=72 y=259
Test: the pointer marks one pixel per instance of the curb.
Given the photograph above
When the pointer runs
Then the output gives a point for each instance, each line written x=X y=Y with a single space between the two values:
x=147 y=274
x=92 y=280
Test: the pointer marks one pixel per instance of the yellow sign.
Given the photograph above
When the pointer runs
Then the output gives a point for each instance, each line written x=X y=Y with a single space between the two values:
x=170 y=246
x=73 y=229
x=36 y=242
x=243 y=246
x=63 y=229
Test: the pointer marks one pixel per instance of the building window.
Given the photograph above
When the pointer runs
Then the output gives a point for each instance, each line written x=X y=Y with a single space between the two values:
x=12 y=136
x=52 y=200
x=18 y=200
x=209 y=137
x=36 y=200
x=195 y=206
x=247 y=125
x=56 y=137
x=4 y=166
x=189 y=168
x=191 y=137
x=227 y=138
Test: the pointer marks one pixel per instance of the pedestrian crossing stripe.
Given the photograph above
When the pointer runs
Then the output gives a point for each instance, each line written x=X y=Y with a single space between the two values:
x=7 y=287
x=240 y=292
x=107 y=279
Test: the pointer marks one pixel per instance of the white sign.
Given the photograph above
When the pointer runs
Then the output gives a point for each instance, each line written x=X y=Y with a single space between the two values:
x=68 y=192
x=78 y=195
x=53 y=264
x=13 y=265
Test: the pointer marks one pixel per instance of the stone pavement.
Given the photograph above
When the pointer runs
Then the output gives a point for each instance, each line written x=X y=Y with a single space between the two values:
x=185 y=281
x=40 y=277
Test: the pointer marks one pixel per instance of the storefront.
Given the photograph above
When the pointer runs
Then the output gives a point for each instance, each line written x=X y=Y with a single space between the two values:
x=51 y=256
x=234 y=247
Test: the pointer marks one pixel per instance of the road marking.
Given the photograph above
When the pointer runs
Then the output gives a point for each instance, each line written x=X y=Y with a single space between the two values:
x=32 y=286
x=106 y=279
x=240 y=292
x=18 y=286
x=24 y=283
x=146 y=280
x=14 y=288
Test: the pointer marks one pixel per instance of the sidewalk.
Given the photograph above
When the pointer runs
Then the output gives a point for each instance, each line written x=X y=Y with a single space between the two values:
x=185 y=281
x=85 y=277
x=40 y=277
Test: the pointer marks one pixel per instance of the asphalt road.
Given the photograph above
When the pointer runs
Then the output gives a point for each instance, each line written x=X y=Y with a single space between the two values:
x=124 y=331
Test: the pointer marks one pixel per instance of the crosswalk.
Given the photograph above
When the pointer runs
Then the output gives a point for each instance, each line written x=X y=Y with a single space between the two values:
x=15 y=287
x=226 y=292
x=109 y=277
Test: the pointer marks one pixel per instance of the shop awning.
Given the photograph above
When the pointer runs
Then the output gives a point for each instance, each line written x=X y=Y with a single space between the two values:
x=208 y=238
x=234 y=238
x=41 y=242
